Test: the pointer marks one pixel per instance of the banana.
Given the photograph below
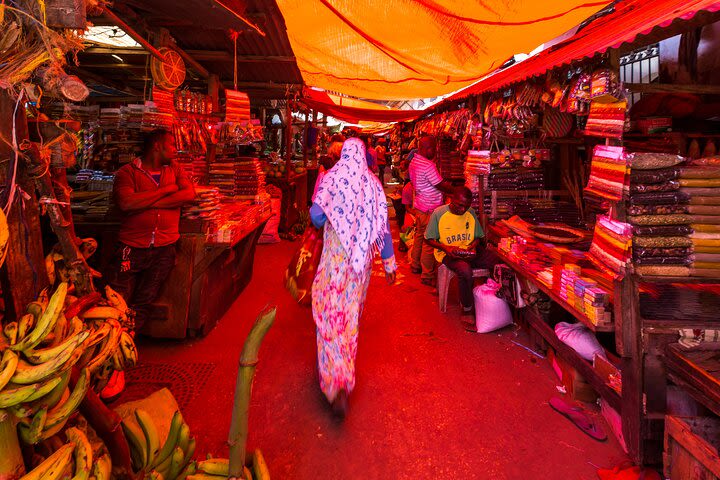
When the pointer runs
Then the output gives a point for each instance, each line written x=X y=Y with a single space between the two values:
x=176 y=463
x=53 y=466
x=18 y=394
x=83 y=453
x=38 y=357
x=101 y=312
x=76 y=325
x=7 y=367
x=136 y=439
x=172 y=440
x=190 y=451
x=108 y=348
x=184 y=437
x=260 y=468
x=128 y=349
x=44 y=388
x=155 y=475
x=62 y=411
x=117 y=361
x=214 y=466
x=152 y=440
x=47 y=320
x=27 y=373
x=25 y=324
x=189 y=469
x=11 y=332
x=56 y=394
x=31 y=434
x=52 y=431
x=102 y=468
x=164 y=467
x=35 y=309
x=61 y=329
x=204 y=476
x=115 y=299
x=43 y=298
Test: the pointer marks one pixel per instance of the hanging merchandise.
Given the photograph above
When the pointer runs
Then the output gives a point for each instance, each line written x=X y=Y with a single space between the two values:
x=237 y=107
x=605 y=86
x=168 y=73
x=606 y=119
x=608 y=172
x=611 y=247
x=556 y=123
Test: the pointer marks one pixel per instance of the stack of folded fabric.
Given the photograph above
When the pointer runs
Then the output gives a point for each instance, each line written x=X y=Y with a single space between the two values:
x=700 y=181
x=503 y=179
x=250 y=179
x=608 y=172
x=531 y=179
x=611 y=245
x=476 y=166
x=450 y=161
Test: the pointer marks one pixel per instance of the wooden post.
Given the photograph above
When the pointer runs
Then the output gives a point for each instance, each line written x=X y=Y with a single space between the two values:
x=24 y=274
x=306 y=143
x=214 y=92
x=288 y=140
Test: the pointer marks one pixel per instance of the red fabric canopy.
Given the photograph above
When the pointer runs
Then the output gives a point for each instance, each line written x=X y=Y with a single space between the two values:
x=630 y=19
x=321 y=101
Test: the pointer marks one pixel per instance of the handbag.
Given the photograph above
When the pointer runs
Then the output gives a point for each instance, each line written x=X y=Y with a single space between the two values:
x=303 y=265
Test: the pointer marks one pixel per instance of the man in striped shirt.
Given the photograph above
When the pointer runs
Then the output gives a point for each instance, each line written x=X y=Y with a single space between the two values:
x=429 y=187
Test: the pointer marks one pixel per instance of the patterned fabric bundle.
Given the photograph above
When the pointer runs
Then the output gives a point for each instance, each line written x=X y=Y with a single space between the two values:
x=612 y=245
x=606 y=119
x=608 y=172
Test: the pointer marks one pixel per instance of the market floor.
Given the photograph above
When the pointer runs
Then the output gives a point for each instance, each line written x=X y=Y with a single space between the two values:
x=432 y=401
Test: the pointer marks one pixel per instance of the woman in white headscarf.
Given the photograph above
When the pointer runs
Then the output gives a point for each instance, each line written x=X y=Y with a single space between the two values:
x=350 y=203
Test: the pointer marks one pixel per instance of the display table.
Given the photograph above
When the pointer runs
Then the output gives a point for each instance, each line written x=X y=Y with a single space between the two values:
x=203 y=284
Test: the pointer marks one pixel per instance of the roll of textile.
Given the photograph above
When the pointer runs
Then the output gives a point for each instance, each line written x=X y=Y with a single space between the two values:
x=705 y=242
x=654 y=176
x=705 y=235
x=663 y=261
x=699 y=200
x=701 y=227
x=663 y=270
x=706 y=219
x=662 y=230
x=705 y=257
x=713 y=161
x=657 y=209
x=705 y=272
x=704 y=209
x=667 y=198
x=707 y=265
x=701 y=191
x=675 y=219
x=643 y=252
x=705 y=249
x=664 y=242
x=652 y=160
x=700 y=172
x=700 y=182
x=668 y=186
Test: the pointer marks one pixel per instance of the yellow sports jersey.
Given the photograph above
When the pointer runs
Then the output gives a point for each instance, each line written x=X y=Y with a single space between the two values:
x=450 y=229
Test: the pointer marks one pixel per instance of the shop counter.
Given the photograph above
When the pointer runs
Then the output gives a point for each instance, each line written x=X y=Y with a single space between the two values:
x=206 y=279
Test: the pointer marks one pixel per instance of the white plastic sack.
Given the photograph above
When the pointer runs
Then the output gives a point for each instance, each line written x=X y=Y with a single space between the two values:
x=270 y=232
x=580 y=338
x=491 y=312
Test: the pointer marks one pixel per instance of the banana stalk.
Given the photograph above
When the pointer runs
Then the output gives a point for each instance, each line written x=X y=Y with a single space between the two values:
x=12 y=466
x=248 y=360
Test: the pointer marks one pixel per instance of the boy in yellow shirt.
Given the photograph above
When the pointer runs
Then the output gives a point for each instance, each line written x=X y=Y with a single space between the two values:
x=455 y=233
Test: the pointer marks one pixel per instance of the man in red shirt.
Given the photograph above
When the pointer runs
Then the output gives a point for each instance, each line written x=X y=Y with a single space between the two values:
x=381 y=153
x=149 y=191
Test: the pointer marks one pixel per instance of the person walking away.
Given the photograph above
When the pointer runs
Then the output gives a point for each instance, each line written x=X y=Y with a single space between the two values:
x=329 y=160
x=455 y=233
x=381 y=153
x=351 y=205
x=429 y=187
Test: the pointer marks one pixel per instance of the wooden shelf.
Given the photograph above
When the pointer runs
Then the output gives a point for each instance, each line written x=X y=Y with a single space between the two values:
x=580 y=316
x=698 y=382
x=576 y=361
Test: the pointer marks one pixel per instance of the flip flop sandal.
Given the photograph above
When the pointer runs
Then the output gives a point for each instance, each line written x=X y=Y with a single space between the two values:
x=576 y=415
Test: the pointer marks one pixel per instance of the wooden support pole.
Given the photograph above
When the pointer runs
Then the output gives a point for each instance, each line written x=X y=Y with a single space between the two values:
x=214 y=86
x=135 y=35
x=306 y=143
x=288 y=139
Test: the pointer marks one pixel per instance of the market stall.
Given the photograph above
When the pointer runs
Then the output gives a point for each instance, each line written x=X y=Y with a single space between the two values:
x=603 y=204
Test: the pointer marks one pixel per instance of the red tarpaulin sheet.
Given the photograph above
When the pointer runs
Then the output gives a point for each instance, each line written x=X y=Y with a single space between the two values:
x=630 y=19
x=321 y=101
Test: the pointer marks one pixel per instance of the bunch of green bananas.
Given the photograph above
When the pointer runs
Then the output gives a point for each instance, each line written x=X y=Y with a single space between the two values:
x=37 y=354
x=75 y=456
x=172 y=460
x=217 y=468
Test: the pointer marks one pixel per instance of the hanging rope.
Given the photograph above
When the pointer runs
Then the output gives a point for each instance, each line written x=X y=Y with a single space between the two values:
x=234 y=34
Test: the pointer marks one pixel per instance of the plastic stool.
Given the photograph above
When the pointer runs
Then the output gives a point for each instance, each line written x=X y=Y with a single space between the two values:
x=445 y=275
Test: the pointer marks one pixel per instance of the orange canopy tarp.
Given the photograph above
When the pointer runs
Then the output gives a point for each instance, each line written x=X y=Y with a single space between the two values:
x=353 y=110
x=405 y=49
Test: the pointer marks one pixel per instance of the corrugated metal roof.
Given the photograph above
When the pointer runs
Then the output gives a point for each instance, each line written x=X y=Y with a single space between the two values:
x=202 y=28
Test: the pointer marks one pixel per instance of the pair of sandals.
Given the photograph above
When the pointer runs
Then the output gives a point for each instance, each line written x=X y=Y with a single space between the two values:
x=577 y=415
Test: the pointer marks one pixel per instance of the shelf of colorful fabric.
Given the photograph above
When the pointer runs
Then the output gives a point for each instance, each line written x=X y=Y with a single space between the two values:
x=450 y=161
